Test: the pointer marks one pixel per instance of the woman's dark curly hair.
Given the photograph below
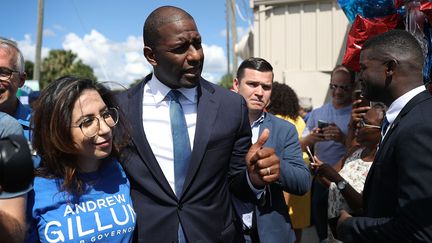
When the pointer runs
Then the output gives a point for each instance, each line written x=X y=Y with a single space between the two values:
x=284 y=101
x=52 y=118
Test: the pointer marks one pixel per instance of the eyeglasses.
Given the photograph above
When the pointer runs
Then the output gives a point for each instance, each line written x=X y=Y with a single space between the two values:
x=362 y=123
x=90 y=125
x=343 y=87
x=6 y=73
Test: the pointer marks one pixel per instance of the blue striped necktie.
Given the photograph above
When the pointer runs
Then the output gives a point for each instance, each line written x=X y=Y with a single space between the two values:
x=181 y=147
x=181 y=144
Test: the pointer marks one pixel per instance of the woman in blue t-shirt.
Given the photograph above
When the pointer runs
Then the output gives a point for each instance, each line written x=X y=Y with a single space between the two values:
x=81 y=193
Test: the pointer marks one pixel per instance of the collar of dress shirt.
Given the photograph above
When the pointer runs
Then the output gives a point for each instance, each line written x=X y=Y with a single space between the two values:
x=397 y=105
x=258 y=121
x=23 y=114
x=159 y=90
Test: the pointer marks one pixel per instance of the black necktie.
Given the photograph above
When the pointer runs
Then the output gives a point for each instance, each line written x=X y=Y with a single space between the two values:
x=384 y=126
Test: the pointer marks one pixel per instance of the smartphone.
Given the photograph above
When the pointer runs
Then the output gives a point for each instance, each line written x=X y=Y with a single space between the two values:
x=364 y=102
x=357 y=95
x=310 y=155
x=322 y=124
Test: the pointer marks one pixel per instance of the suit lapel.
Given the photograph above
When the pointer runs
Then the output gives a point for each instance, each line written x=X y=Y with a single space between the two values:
x=208 y=108
x=381 y=153
x=135 y=113
x=266 y=124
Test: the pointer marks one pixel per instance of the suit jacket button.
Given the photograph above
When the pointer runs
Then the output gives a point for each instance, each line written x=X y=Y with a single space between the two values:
x=180 y=206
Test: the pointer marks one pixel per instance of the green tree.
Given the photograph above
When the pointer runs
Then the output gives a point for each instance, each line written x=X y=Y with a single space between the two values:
x=60 y=63
x=29 y=66
x=226 y=81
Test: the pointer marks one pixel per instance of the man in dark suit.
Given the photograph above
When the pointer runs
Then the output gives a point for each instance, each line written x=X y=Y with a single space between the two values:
x=270 y=222
x=183 y=195
x=397 y=196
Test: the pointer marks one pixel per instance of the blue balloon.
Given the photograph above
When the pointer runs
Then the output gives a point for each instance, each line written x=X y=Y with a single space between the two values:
x=427 y=67
x=367 y=8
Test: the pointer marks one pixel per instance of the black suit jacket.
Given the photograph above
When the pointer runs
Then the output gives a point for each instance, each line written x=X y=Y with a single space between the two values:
x=222 y=139
x=398 y=191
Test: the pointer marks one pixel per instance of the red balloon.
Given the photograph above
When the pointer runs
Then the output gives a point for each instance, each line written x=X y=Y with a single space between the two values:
x=360 y=31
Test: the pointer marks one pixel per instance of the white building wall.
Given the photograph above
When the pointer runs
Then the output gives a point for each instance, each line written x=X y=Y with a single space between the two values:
x=303 y=40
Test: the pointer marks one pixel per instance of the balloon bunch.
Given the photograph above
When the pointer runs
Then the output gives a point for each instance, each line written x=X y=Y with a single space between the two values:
x=372 y=17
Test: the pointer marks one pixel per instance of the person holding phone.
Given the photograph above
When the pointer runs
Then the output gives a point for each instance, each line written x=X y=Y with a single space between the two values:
x=328 y=142
x=346 y=180
x=360 y=106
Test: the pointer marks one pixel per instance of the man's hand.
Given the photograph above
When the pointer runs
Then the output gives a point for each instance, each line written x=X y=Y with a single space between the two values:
x=13 y=219
x=315 y=165
x=325 y=170
x=314 y=136
x=344 y=215
x=357 y=113
x=262 y=163
x=333 y=132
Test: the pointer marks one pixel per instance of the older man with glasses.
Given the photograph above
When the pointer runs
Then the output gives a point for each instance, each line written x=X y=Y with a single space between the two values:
x=328 y=140
x=12 y=77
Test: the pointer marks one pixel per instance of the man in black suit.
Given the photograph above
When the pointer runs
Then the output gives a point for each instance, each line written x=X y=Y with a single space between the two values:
x=397 y=196
x=194 y=204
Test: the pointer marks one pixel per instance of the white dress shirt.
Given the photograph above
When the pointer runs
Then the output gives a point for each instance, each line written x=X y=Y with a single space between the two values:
x=246 y=210
x=397 y=105
x=157 y=125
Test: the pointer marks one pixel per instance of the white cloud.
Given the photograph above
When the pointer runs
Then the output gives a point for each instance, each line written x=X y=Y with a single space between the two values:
x=28 y=48
x=49 y=33
x=210 y=77
x=59 y=27
x=214 y=58
x=122 y=62
x=215 y=63
x=241 y=31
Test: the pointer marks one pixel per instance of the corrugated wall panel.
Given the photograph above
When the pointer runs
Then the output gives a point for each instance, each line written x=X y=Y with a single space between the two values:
x=308 y=37
x=325 y=36
x=277 y=41
x=292 y=46
x=303 y=40
x=341 y=27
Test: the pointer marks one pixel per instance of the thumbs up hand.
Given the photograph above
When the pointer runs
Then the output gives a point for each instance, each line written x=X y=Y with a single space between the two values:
x=262 y=163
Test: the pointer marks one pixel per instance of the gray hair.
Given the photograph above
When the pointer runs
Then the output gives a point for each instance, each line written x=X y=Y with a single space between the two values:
x=11 y=47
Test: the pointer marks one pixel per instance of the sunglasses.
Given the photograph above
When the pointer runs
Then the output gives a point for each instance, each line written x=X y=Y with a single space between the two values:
x=362 y=123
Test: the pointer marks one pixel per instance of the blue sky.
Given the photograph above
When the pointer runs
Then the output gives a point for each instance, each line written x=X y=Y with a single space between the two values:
x=107 y=34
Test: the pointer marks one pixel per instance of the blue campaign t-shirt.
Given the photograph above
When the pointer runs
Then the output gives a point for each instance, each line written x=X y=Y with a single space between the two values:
x=104 y=214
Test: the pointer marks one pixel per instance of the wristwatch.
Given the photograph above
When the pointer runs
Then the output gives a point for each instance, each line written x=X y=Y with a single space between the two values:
x=341 y=185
